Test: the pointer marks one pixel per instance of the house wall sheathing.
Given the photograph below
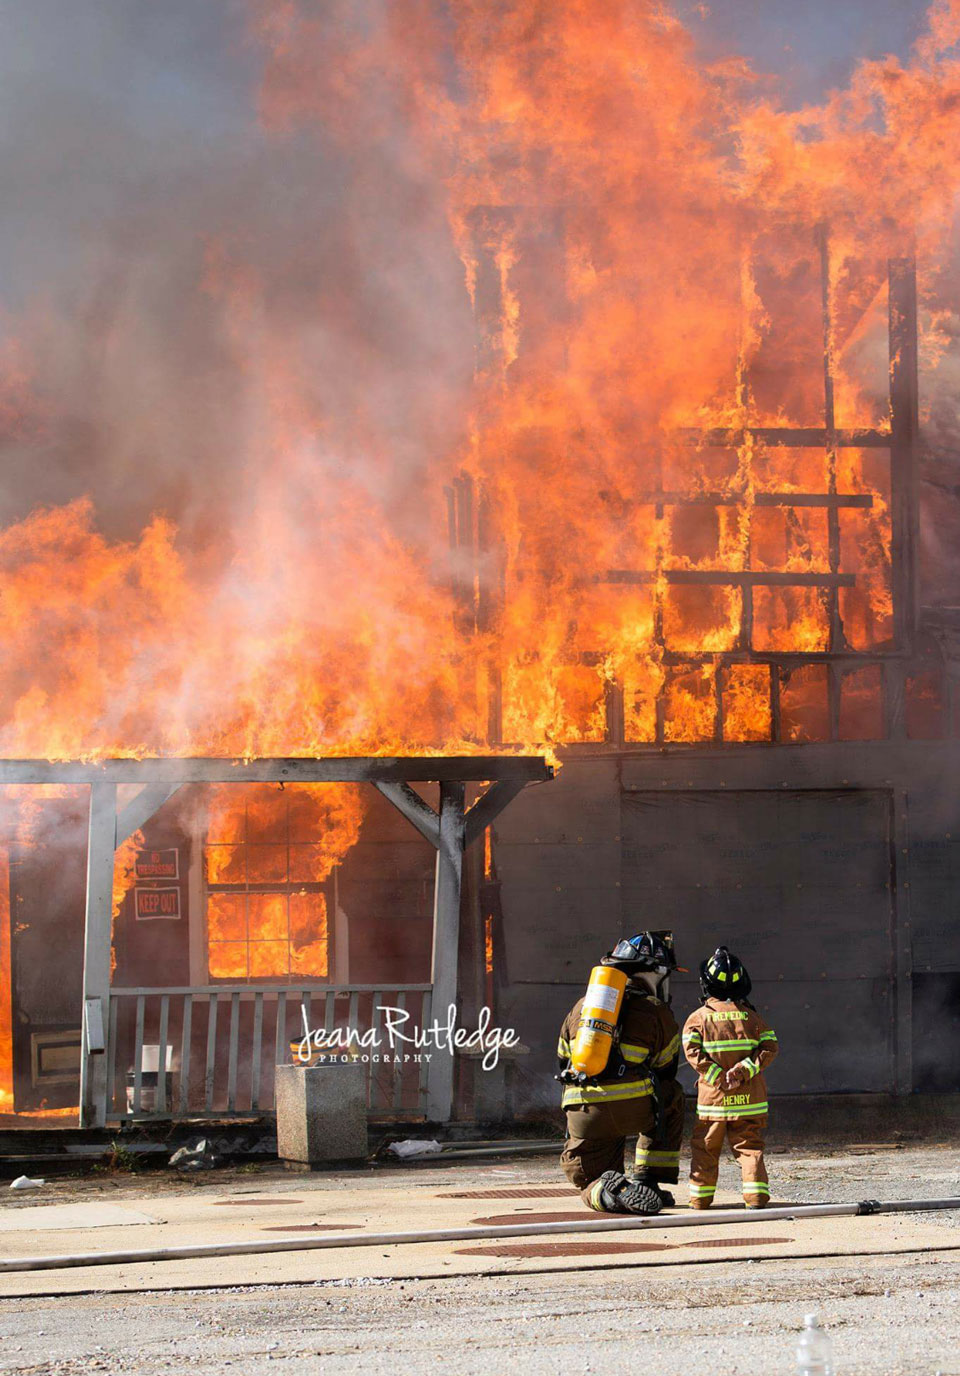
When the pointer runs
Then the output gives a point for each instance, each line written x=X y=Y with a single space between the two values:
x=831 y=869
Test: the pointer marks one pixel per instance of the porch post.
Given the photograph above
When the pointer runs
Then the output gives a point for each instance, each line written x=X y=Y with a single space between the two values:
x=101 y=845
x=446 y=943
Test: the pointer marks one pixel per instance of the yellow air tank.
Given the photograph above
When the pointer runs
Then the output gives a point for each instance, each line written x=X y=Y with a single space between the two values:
x=598 y=1020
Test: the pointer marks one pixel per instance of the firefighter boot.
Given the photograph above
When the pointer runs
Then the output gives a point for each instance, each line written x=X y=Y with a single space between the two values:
x=667 y=1199
x=615 y=1193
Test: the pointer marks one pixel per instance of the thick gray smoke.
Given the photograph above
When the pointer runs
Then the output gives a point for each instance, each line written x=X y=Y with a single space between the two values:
x=141 y=198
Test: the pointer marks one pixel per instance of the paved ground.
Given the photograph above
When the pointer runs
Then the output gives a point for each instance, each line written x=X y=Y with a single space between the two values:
x=676 y=1312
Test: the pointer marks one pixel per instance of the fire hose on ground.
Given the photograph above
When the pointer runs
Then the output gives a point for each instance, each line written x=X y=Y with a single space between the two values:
x=606 y=1224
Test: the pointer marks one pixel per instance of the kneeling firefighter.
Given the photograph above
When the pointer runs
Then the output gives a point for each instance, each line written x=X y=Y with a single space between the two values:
x=618 y=1051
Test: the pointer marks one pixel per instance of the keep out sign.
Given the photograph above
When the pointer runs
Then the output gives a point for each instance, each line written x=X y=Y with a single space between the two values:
x=156 y=903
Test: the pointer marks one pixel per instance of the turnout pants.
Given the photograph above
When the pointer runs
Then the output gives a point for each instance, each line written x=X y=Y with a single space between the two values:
x=597 y=1133
x=746 y=1138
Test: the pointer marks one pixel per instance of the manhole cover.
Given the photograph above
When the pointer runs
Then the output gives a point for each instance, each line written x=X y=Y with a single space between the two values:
x=310 y=1227
x=738 y=1242
x=250 y=1199
x=513 y=1194
x=495 y=1220
x=562 y=1249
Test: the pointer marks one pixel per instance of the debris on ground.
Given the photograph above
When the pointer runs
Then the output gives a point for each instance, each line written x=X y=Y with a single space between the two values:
x=411 y=1147
x=198 y=1156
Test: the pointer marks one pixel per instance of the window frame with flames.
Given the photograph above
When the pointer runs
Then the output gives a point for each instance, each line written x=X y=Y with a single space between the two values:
x=248 y=889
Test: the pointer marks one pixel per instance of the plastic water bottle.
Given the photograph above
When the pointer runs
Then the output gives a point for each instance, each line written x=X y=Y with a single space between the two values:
x=814 y=1350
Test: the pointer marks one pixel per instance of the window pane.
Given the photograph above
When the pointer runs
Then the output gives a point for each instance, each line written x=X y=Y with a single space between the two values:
x=266 y=864
x=308 y=863
x=266 y=814
x=699 y=618
x=924 y=707
x=268 y=917
x=746 y=703
x=691 y=708
x=226 y=917
x=308 y=918
x=227 y=818
x=790 y=619
x=308 y=934
x=305 y=810
x=804 y=704
x=269 y=958
x=641 y=684
x=309 y=960
x=228 y=960
x=226 y=864
x=861 y=704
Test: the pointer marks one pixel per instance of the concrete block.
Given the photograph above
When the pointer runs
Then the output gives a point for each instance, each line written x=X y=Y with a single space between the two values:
x=321 y=1112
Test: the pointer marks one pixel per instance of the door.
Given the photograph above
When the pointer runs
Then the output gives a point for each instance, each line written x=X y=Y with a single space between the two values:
x=47 y=892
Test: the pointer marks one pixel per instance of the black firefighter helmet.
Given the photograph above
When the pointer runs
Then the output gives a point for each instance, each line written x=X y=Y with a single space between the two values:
x=645 y=951
x=724 y=976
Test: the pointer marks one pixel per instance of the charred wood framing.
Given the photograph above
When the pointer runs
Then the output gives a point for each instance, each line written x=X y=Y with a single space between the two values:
x=345 y=769
x=790 y=437
x=824 y=499
x=904 y=431
x=733 y=578
x=900 y=439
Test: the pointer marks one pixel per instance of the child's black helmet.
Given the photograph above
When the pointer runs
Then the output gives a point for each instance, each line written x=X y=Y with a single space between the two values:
x=723 y=976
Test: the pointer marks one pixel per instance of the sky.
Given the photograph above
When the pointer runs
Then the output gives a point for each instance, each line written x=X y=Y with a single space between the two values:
x=812 y=46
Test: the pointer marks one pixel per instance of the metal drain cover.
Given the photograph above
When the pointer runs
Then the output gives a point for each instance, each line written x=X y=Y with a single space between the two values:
x=562 y=1249
x=738 y=1242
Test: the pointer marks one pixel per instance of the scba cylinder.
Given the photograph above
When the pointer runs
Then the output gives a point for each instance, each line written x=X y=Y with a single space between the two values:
x=598 y=1020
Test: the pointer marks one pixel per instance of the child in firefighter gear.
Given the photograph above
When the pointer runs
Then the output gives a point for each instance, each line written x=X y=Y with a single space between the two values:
x=729 y=1046
x=635 y=1092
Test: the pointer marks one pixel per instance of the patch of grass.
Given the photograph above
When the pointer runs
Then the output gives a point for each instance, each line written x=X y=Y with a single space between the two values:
x=122 y=1159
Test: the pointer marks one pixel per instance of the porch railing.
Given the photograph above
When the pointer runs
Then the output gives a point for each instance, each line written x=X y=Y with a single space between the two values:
x=210 y=1051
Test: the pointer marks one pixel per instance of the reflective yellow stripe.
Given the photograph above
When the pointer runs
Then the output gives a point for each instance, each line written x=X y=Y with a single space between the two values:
x=668 y=1052
x=755 y=1187
x=632 y=1051
x=593 y=1198
x=769 y=1036
x=734 y=1111
x=598 y=1094
x=702 y=1191
x=731 y=1044
x=563 y=1048
x=645 y=1157
x=693 y=1039
x=750 y=1067
x=712 y=1074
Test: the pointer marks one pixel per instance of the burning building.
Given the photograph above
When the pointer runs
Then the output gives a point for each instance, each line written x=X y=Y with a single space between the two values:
x=678 y=516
